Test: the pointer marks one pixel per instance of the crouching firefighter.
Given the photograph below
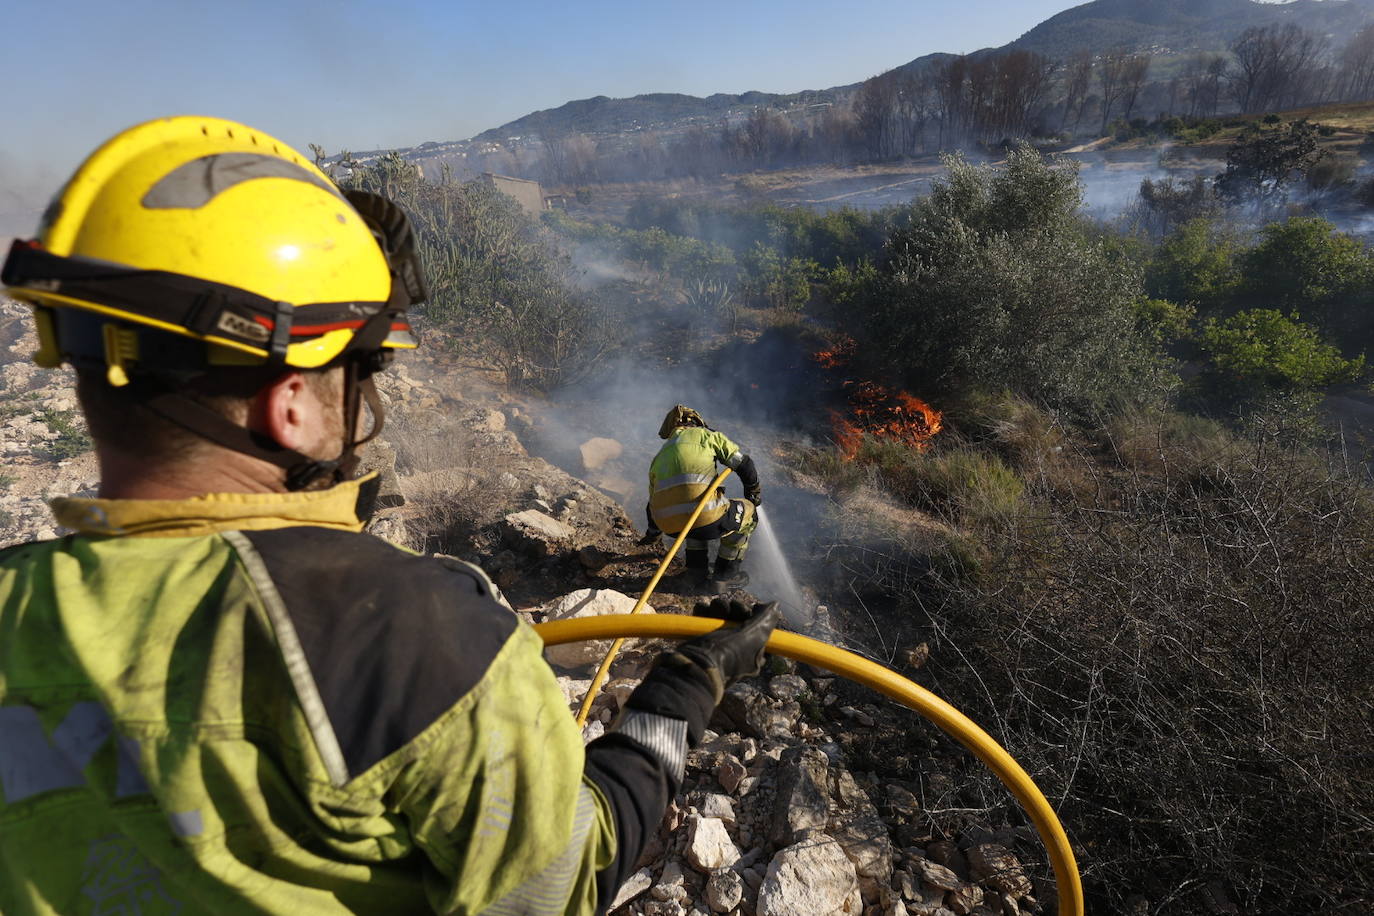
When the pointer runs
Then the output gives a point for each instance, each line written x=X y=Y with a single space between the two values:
x=679 y=476
x=218 y=695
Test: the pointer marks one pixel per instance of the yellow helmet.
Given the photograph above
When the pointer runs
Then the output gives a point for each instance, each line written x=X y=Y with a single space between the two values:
x=224 y=237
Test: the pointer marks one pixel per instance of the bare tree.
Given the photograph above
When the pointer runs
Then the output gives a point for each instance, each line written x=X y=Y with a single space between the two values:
x=1077 y=82
x=874 y=112
x=1357 y=65
x=765 y=138
x=1254 y=63
x=1111 y=75
x=834 y=132
x=913 y=106
x=1020 y=81
x=1134 y=69
x=1272 y=64
x=1216 y=71
x=1175 y=90
x=1201 y=77
x=951 y=77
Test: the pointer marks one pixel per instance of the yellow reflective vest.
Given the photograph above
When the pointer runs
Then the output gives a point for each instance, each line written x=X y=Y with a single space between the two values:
x=240 y=704
x=681 y=473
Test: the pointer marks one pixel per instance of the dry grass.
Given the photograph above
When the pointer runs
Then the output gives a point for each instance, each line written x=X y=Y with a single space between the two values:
x=1177 y=651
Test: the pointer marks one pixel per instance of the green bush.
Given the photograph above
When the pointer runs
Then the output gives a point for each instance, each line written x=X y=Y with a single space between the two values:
x=1305 y=266
x=1262 y=347
x=996 y=285
x=1167 y=322
x=72 y=439
x=1196 y=265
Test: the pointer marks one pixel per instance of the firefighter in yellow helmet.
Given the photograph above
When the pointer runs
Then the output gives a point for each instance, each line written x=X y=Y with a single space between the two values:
x=679 y=476
x=217 y=694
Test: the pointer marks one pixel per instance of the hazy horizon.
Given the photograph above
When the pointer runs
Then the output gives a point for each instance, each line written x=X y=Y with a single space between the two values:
x=350 y=76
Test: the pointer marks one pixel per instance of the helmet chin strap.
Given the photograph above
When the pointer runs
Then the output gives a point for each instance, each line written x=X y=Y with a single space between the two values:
x=302 y=471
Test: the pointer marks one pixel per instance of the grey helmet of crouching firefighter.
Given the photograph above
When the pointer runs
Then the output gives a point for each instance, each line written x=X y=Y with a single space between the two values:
x=167 y=256
x=680 y=476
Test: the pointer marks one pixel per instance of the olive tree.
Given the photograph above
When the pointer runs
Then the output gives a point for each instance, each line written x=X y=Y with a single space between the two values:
x=997 y=284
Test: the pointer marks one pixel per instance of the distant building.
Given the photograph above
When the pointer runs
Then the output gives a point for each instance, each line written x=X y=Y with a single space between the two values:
x=526 y=193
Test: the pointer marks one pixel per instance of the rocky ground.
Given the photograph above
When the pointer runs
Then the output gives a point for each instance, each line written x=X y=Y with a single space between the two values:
x=43 y=448
x=809 y=797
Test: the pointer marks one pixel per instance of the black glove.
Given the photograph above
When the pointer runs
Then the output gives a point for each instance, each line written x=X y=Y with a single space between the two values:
x=688 y=682
x=652 y=536
x=754 y=494
x=734 y=653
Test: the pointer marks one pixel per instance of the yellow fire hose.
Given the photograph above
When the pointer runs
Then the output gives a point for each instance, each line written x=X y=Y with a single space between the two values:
x=870 y=674
x=845 y=664
x=644 y=598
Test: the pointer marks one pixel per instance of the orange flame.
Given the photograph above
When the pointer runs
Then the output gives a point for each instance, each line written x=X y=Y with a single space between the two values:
x=837 y=356
x=878 y=411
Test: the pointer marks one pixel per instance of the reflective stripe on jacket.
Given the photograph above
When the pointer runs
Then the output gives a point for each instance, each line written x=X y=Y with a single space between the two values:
x=244 y=706
x=681 y=473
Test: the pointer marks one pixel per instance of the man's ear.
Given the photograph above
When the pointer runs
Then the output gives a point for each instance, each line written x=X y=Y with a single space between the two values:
x=287 y=412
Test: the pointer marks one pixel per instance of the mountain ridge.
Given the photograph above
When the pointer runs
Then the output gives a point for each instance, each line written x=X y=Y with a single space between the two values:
x=1164 y=26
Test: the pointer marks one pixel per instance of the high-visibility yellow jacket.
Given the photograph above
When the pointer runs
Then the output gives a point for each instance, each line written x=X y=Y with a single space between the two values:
x=240 y=704
x=681 y=473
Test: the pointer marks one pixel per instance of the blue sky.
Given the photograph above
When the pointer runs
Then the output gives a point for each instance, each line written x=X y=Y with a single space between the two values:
x=345 y=74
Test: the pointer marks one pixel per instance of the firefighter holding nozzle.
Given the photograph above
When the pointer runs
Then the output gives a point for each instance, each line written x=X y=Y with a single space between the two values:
x=679 y=476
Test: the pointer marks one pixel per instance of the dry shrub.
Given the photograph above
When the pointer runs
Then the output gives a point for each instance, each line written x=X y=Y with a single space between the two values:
x=1029 y=437
x=1178 y=653
x=445 y=509
x=1182 y=661
x=961 y=486
x=1157 y=441
x=450 y=498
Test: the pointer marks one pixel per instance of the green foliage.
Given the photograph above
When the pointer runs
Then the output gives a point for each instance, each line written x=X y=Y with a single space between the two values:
x=688 y=259
x=844 y=285
x=72 y=439
x=1167 y=322
x=845 y=235
x=773 y=281
x=996 y=284
x=712 y=297
x=1305 y=266
x=1262 y=347
x=1196 y=265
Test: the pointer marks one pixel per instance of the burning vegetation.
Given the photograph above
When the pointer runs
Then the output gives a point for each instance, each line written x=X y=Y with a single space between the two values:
x=876 y=410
